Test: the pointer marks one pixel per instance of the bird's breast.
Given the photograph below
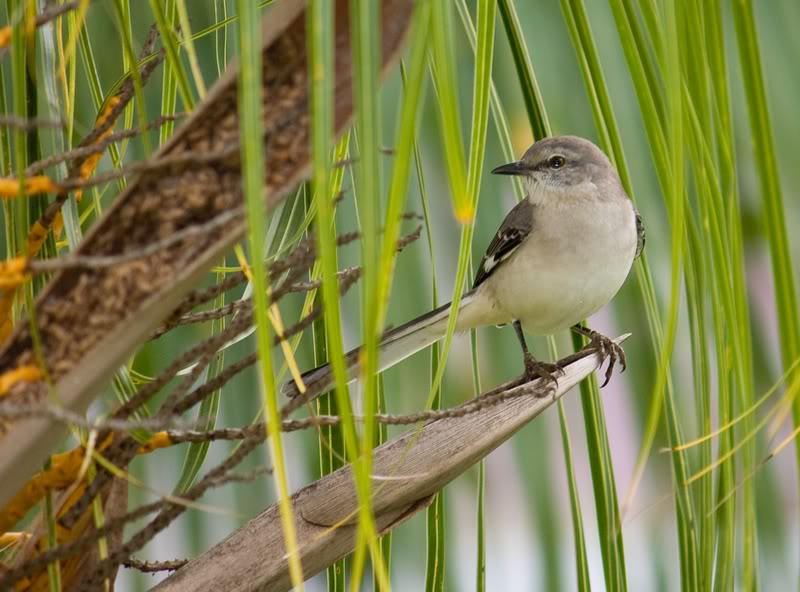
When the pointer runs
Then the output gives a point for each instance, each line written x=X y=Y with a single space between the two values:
x=571 y=265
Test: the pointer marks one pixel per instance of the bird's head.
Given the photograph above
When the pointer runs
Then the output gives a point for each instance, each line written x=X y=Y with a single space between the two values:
x=562 y=165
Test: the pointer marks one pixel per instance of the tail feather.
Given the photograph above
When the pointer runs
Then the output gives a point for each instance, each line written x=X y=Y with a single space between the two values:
x=396 y=346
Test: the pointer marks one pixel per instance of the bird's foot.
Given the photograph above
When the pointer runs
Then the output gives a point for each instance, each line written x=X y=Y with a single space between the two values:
x=607 y=348
x=548 y=372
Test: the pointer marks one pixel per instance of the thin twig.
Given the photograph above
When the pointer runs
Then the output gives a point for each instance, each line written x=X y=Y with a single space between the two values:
x=513 y=389
x=175 y=162
x=85 y=151
x=28 y=125
x=223 y=311
x=20 y=411
x=299 y=255
x=154 y=566
x=53 y=11
x=211 y=344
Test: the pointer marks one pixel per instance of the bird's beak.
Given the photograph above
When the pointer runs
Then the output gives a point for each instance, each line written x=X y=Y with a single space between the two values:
x=512 y=168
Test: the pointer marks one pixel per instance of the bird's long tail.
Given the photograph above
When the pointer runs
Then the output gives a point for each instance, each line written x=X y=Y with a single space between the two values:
x=396 y=346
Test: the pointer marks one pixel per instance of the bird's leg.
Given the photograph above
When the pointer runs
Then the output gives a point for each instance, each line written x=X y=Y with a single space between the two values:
x=606 y=347
x=533 y=367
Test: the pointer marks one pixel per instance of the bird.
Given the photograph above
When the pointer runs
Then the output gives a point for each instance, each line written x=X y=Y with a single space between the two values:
x=559 y=256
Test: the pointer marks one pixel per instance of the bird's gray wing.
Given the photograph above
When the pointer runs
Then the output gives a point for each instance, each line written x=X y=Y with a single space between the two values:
x=640 y=236
x=511 y=234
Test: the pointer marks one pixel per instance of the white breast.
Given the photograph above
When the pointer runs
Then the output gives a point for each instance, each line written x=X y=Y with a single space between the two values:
x=572 y=265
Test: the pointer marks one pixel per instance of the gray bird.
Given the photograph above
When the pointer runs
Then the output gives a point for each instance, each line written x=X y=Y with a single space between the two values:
x=560 y=255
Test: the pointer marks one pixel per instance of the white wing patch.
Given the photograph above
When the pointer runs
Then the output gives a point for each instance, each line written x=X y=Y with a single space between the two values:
x=492 y=261
x=489 y=264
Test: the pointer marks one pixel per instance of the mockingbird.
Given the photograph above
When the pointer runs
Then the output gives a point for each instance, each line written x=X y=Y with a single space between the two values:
x=559 y=256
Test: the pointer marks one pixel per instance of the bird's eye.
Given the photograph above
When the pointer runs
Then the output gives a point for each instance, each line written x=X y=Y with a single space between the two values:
x=556 y=162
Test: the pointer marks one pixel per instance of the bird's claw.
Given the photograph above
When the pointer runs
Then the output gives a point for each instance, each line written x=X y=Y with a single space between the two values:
x=535 y=369
x=607 y=348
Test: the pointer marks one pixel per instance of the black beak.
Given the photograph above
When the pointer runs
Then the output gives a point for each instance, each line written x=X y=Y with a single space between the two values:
x=512 y=168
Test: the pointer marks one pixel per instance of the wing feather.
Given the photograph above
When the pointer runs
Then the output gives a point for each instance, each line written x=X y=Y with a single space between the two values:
x=516 y=227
